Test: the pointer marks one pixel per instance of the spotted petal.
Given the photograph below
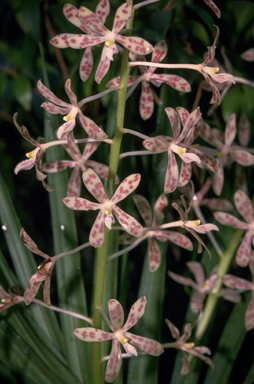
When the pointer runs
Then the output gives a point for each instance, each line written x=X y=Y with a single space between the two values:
x=174 y=121
x=244 y=251
x=144 y=209
x=159 y=52
x=230 y=220
x=154 y=255
x=185 y=174
x=242 y=157
x=91 y=128
x=159 y=205
x=114 y=362
x=30 y=244
x=191 y=120
x=172 y=174
x=74 y=185
x=146 y=103
x=135 y=44
x=230 y=130
x=103 y=65
x=79 y=204
x=92 y=334
x=94 y=185
x=197 y=270
x=149 y=346
x=55 y=109
x=213 y=7
x=86 y=64
x=173 y=329
x=128 y=222
x=102 y=10
x=60 y=40
x=33 y=287
x=84 y=41
x=236 y=282
x=96 y=236
x=115 y=314
x=123 y=14
x=127 y=186
x=24 y=132
x=244 y=206
x=136 y=312
x=154 y=144
x=92 y=21
x=65 y=128
x=71 y=14
x=183 y=280
x=175 y=237
x=50 y=95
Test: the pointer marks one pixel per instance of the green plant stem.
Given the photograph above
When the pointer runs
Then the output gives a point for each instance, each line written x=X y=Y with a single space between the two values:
x=103 y=250
x=213 y=297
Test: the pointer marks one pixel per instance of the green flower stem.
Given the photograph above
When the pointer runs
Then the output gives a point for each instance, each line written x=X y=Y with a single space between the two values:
x=213 y=297
x=103 y=250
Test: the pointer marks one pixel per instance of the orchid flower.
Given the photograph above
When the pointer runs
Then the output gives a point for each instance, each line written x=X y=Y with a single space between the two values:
x=209 y=73
x=71 y=110
x=242 y=285
x=120 y=335
x=203 y=287
x=43 y=274
x=44 y=269
x=79 y=163
x=146 y=103
x=7 y=300
x=244 y=207
x=60 y=41
x=154 y=254
x=161 y=144
x=184 y=347
x=109 y=38
x=34 y=157
x=106 y=206
x=193 y=226
x=226 y=151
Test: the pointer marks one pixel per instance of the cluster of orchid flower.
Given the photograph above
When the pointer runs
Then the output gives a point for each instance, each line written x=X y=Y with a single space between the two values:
x=186 y=128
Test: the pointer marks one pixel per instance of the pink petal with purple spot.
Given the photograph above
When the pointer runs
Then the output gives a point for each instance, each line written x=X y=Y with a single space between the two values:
x=230 y=131
x=173 y=329
x=123 y=14
x=242 y=157
x=127 y=186
x=185 y=174
x=24 y=132
x=136 y=312
x=94 y=185
x=74 y=185
x=244 y=251
x=231 y=221
x=65 y=128
x=244 y=206
x=213 y=7
x=71 y=14
x=248 y=55
x=135 y=44
x=172 y=174
x=84 y=41
x=71 y=95
x=30 y=244
x=174 y=121
x=96 y=236
x=79 y=204
x=92 y=21
x=115 y=314
x=128 y=222
x=114 y=362
x=183 y=280
x=54 y=109
x=154 y=144
x=60 y=41
x=144 y=209
x=154 y=255
x=236 y=283
x=146 y=103
x=92 y=334
x=91 y=128
x=86 y=64
x=102 y=10
x=159 y=205
x=149 y=346
x=50 y=95
x=103 y=65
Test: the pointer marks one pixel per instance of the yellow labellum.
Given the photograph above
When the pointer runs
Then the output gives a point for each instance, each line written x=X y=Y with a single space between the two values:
x=107 y=212
x=6 y=301
x=189 y=345
x=67 y=117
x=109 y=43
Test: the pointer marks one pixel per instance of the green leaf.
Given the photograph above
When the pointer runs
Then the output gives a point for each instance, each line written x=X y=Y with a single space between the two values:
x=161 y=22
x=23 y=262
x=229 y=345
x=22 y=91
